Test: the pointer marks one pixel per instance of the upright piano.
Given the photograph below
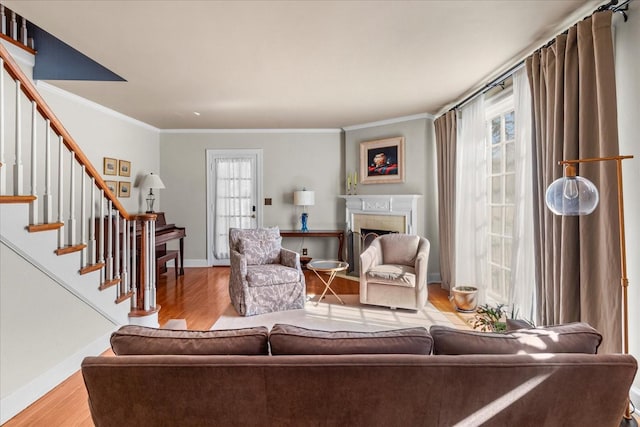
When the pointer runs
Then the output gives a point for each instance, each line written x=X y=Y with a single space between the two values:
x=165 y=233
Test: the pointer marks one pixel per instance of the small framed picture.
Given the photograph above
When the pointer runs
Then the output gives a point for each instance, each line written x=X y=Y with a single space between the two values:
x=110 y=166
x=124 y=189
x=112 y=186
x=382 y=161
x=124 y=168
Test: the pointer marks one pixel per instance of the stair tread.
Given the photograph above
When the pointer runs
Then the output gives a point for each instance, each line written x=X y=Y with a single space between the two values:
x=17 y=199
x=46 y=226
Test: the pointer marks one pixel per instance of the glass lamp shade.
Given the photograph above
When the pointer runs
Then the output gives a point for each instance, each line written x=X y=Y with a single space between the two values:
x=572 y=195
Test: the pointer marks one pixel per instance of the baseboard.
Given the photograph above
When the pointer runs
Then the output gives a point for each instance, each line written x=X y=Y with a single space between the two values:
x=13 y=404
x=196 y=263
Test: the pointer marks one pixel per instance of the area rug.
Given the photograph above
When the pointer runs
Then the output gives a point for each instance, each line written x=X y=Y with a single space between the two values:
x=330 y=315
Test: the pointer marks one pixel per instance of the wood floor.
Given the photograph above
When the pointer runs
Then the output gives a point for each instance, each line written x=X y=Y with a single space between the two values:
x=200 y=297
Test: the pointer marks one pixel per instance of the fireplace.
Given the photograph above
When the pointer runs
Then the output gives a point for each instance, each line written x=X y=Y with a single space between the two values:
x=377 y=214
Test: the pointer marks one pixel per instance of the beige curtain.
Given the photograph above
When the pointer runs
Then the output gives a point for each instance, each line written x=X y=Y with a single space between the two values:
x=446 y=151
x=574 y=114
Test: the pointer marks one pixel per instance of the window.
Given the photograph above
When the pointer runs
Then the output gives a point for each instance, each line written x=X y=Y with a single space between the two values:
x=501 y=124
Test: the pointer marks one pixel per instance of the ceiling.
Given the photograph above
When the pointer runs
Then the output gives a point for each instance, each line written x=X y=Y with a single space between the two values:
x=295 y=64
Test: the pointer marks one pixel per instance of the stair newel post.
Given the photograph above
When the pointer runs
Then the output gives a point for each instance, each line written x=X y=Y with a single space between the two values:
x=103 y=277
x=48 y=205
x=134 y=262
x=72 y=200
x=92 y=223
x=60 y=191
x=18 y=181
x=109 y=259
x=33 y=207
x=3 y=174
x=83 y=217
x=152 y=265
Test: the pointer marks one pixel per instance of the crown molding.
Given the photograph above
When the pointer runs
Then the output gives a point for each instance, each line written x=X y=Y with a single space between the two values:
x=316 y=131
x=389 y=121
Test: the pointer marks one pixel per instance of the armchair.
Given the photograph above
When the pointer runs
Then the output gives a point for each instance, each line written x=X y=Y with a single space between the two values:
x=393 y=271
x=264 y=276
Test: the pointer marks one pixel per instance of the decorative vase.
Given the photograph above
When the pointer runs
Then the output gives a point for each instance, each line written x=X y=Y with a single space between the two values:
x=303 y=219
x=465 y=298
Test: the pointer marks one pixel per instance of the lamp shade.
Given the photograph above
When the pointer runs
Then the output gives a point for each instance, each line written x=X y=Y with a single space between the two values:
x=153 y=181
x=572 y=195
x=304 y=198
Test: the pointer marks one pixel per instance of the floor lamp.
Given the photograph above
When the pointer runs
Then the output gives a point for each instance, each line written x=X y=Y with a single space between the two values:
x=575 y=195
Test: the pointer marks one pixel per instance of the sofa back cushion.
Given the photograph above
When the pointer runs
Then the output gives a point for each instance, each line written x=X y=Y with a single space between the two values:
x=568 y=338
x=294 y=340
x=399 y=248
x=132 y=339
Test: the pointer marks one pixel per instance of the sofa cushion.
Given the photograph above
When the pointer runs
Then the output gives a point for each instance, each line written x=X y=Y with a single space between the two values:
x=271 y=274
x=393 y=274
x=399 y=248
x=294 y=340
x=261 y=250
x=132 y=339
x=568 y=338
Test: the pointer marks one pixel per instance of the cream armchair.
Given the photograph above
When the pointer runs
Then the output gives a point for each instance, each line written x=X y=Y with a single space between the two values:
x=264 y=276
x=393 y=271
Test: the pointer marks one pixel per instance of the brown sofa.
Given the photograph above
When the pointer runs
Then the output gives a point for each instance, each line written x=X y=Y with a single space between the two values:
x=561 y=389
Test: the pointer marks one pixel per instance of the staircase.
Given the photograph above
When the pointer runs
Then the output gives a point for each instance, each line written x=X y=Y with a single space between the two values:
x=57 y=212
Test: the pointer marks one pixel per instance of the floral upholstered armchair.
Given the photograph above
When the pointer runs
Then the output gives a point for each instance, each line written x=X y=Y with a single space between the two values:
x=264 y=276
x=393 y=271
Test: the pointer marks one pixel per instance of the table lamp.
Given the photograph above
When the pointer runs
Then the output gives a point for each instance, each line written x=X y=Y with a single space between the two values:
x=575 y=195
x=152 y=181
x=304 y=198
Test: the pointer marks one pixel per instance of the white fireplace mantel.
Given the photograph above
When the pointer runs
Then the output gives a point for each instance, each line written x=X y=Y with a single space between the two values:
x=405 y=205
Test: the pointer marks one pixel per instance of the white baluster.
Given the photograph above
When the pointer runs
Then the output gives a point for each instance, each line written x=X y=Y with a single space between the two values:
x=18 y=180
x=92 y=224
x=103 y=276
x=14 y=26
x=109 y=259
x=83 y=217
x=72 y=200
x=23 y=32
x=124 y=278
x=116 y=252
x=33 y=208
x=60 y=191
x=48 y=198
x=3 y=20
x=3 y=173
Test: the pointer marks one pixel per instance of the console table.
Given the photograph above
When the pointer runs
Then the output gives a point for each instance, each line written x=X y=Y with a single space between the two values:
x=339 y=234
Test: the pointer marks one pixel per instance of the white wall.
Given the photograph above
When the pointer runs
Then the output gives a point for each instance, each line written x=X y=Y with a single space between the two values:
x=627 y=37
x=101 y=132
x=292 y=160
x=420 y=176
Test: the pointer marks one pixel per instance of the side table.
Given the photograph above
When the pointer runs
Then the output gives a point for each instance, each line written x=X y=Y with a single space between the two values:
x=331 y=268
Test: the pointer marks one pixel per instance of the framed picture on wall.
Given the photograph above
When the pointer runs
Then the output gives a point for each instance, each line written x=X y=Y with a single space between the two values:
x=110 y=166
x=124 y=168
x=382 y=161
x=112 y=186
x=124 y=189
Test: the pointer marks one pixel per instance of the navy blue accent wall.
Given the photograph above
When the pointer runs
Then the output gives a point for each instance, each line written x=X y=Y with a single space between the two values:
x=56 y=60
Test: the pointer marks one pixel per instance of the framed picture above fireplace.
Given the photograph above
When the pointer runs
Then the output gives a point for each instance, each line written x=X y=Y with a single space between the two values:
x=382 y=161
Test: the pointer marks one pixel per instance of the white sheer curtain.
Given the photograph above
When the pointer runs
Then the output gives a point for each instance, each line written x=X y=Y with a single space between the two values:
x=472 y=215
x=522 y=284
x=233 y=200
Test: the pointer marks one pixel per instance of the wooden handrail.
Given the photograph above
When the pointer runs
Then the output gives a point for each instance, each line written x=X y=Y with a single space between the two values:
x=32 y=94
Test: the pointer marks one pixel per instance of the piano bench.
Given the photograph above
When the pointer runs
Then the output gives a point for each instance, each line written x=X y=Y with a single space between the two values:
x=165 y=256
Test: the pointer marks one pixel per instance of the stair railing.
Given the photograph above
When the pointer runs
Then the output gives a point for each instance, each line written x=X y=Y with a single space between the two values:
x=119 y=244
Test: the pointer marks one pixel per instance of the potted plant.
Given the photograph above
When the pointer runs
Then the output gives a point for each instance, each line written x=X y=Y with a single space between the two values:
x=465 y=298
x=490 y=318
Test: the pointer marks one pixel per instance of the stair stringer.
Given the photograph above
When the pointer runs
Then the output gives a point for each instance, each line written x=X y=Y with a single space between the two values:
x=38 y=249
